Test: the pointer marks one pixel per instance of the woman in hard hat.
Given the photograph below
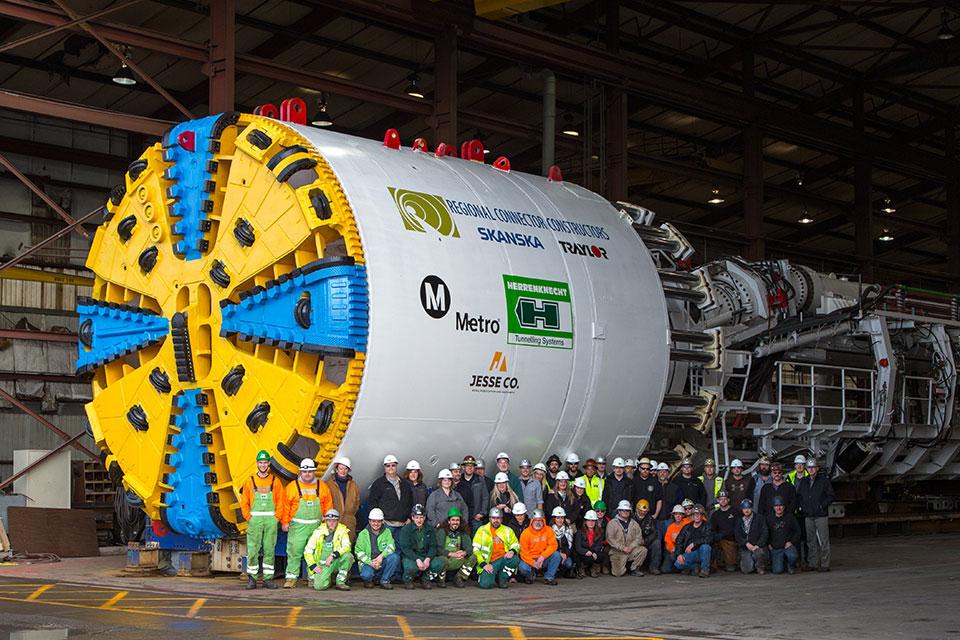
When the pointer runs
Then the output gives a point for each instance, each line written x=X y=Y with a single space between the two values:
x=519 y=521
x=328 y=553
x=260 y=502
x=578 y=503
x=564 y=535
x=589 y=546
x=455 y=547
x=503 y=497
x=414 y=477
x=442 y=499
x=345 y=494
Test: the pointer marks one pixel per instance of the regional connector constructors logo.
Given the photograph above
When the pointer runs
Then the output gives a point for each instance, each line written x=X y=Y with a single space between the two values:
x=539 y=312
x=421 y=210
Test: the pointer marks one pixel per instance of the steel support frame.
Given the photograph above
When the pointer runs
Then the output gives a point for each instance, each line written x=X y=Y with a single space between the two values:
x=616 y=145
x=63 y=435
x=446 y=98
x=223 y=56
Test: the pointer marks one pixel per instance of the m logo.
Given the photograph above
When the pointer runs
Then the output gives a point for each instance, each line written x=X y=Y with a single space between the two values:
x=541 y=314
x=434 y=297
x=421 y=210
x=499 y=362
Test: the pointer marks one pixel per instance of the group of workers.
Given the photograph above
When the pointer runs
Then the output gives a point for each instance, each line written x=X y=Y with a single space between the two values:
x=540 y=521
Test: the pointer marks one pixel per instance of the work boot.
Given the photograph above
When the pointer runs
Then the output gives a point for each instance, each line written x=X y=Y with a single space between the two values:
x=426 y=583
x=824 y=569
x=729 y=568
x=368 y=584
x=636 y=573
x=595 y=570
x=386 y=585
x=528 y=579
x=441 y=583
x=550 y=582
x=269 y=583
x=251 y=582
x=580 y=573
x=503 y=584
x=790 y=569
x=655 y=571
x=704 y=573
x=289 y=583
x=408 y=585
x=458 y=580
x=761 y=571
x=342 y=586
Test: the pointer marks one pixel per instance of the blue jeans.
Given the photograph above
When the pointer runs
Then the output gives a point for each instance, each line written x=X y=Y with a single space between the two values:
x=699 y=558
x=549 y=568
x=780 y=559
x=387 y=570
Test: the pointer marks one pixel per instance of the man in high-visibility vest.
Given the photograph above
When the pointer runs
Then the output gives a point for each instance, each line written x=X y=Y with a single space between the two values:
x=328 y=553
x=305 y=500
x=259 y=501
x=712 y=483
x=498 y=552
x=799 y=470
x=594 y=480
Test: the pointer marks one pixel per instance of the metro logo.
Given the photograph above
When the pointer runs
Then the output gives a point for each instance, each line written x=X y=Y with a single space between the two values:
x=539 y=312
x=533 y=313
x=419 y=209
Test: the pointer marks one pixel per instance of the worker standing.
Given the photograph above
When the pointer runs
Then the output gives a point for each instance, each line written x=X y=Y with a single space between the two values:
x=594 y=482
x=393 y=495
x=712 y=483
x=815 y=495
x=531 y=488
x=261 y=496
x=442 y=499
x=345 y=494
x=328 y=553
x=305 y=500
x=497 y=551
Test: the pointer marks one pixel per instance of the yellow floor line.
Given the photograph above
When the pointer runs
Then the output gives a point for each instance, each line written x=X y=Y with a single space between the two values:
x=37 y=593
x=114 y=600
x=516 y=633
x=405 y=628
x=195 y=609
x=293 y=615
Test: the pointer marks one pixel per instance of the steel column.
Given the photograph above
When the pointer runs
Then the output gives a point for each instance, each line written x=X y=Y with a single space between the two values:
x=223 y=61
x=752 y=172
x=863 y=199
x=616 y=145
x=445 y=92
x=953 y=202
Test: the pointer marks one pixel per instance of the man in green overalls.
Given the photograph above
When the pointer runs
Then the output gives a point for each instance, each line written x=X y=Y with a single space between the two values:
x=305 y=499
x=328 y=553
x=455 y=545
x=258 y=501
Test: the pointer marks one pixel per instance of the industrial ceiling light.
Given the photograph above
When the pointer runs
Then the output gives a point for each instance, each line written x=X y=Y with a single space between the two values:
x=945 y=33
x=799 y=179
x=569 y=129
x=886 y=237
x=887 y=206
x=413 y=89
x=123 y=76
x=805 y=220
x=322 y=118
x=716 y=199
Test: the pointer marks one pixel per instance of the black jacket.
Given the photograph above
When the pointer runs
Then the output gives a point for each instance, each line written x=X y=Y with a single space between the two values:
x=475 y=494
x=384 y=497
x=651 y=532
x=580 y=546
x=815 y=495
x=738 y=490
x=671 y=496
x=769 y=492
x=577 y=507
x=694 y=535
x=690 y=488
x=649 y=490
x=757 y=535
x=616 y=490
x=553 y=500
x=783 y=530
x=722 y=524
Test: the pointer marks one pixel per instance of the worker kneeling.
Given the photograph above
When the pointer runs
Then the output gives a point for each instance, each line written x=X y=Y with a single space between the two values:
x=376 y=552
x=694 y=545
x=328 y=553
x=625 y=539
x=456 y=547
x=496 y=547
x=538 y=551
x=418 y=546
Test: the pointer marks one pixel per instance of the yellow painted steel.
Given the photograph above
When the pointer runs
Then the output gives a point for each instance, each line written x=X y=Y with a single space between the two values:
x=38 y=275
x=289 y=235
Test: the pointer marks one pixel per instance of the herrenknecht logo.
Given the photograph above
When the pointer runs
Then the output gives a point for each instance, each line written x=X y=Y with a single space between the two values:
x=421 y=210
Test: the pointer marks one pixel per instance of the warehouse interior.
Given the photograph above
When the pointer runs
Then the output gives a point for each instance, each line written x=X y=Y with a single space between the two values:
x=823 y=133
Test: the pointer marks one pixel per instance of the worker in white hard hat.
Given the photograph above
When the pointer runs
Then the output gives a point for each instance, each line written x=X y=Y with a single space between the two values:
x=815 y=495
x=442 y=499
x=573 y=466
x=345 y=493
x=679 y=520
x=306 y=499
x=487 y=479
x=589 y=546
x=625 y=541
x=328 y=553
x=392 y=495
x=694 y=545
x=630 y=467
x=722 y=522
x=260 y=502
x=376 y=552
x=564 y=535
x=419 y=490
x=561 y=493
x=503 y=496
x=540 y=473
x=738 y=486
x=531 y=490
x=519 y=522
x=538 y=551
x=799 y=469
x=647 y=487
x=503 y=466
x=688 y=485
x=617 y=486
x=761 y=477
x=418 y=550
x=602 y=467
x=578 y=503
x=497 y=551
x=456 y=472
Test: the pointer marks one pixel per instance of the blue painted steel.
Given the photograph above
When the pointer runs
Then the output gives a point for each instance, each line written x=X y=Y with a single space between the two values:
x=338 y=310
x=174 y=541
x=115 y=331
x=187 y=510
x=190 y=173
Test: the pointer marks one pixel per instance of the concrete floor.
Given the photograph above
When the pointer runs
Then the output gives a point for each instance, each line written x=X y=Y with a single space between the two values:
x=897 y=587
